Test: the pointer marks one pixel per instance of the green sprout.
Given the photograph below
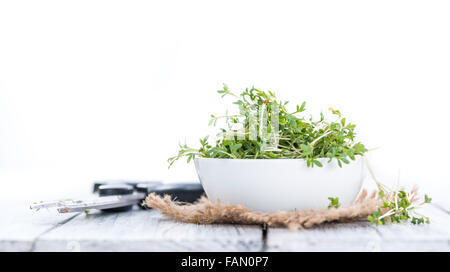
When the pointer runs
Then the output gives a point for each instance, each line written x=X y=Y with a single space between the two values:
x=265 y=129
x=334 y=202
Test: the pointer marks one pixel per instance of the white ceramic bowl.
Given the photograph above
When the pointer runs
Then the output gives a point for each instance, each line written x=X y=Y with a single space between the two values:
x=279 y=184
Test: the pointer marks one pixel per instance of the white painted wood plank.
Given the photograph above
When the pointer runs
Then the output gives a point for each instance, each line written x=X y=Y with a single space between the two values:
x=361 y=237
x=328 y=237
x=20 y=226
x=427 y=237
x=150 y=231
x=140 y=230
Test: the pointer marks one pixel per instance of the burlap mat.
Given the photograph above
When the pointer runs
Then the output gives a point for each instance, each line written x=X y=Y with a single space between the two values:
x=205 y=211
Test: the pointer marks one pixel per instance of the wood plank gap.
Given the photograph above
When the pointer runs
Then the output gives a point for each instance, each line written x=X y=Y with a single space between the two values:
x=139 y=230
x=59 y=224
x=265 y=231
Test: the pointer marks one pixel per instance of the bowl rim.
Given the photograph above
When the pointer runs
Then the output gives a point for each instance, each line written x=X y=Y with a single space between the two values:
x=357 y=157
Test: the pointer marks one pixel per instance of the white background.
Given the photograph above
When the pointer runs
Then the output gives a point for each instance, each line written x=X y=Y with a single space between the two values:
x=107 y=89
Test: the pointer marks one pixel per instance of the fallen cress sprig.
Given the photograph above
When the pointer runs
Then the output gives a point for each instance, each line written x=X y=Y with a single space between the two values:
x=398 y=205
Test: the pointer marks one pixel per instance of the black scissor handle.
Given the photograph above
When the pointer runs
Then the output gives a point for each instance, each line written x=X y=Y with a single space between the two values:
x=183 y=192
x=133 y=183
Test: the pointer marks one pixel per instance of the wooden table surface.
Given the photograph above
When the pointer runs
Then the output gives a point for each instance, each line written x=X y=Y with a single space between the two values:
x=147 y=230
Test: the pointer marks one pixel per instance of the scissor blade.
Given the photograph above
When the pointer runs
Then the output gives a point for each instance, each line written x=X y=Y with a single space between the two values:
x=51 y=204
x=104 y=202
x=100 y=206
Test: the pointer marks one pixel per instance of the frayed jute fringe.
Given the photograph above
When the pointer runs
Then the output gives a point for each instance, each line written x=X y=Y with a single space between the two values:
x=205 y=211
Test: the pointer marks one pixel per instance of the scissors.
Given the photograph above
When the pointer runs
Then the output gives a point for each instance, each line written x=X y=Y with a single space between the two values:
x=119 y=196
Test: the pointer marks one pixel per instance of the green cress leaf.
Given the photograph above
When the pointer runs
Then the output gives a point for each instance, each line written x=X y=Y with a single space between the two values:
x=298 y=137
x=334 y=202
